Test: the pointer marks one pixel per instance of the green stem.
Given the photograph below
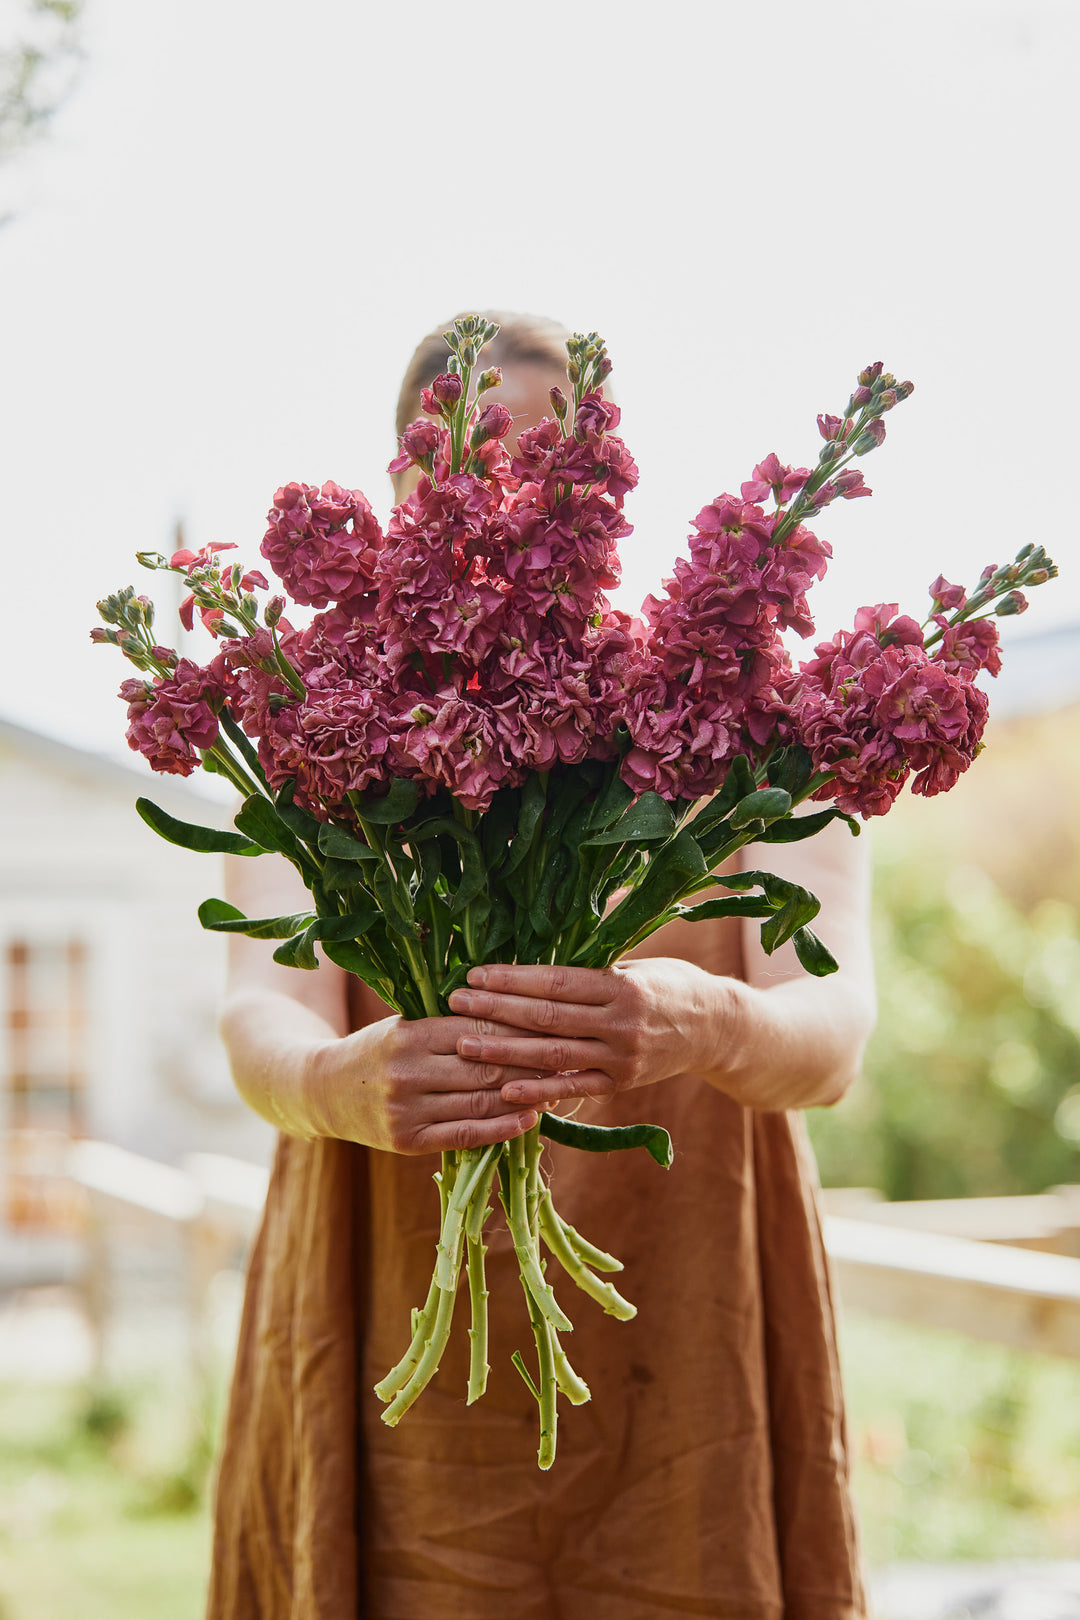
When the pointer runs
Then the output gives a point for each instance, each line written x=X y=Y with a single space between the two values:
x=478 y=1330
x=603 y=1292
x=423 y=1320
x=524 y=1243
x=549 y=1389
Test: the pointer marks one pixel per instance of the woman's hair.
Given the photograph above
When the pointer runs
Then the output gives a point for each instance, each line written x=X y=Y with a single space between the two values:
x=521 y=340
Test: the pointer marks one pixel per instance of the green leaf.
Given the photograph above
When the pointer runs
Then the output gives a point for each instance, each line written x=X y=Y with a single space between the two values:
x=342 y=874
x=335 y=841
x=396 y=913
x=796 y=828
x=349 y=927
x=669 y=874
x=615 y=798
x=204 y=840
x=556 y=867
x=500 y=928
x=428 y=867
x=765 y=804
x=815 y=957
x=533 y=799
x=299 y=951
x=259 y=820
x=297 y=820
x=355 y=960
x=474 y=875
x=221 y=918
x=753 y=906
x=790 y=768
x=497 y=826
x=647 y=820
x=394 y=805
x=609 y=1138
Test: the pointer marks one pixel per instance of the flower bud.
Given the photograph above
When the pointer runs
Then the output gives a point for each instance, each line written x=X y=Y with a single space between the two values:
x=448 y=388
x=872 y=435
x=420 y=440
x=491 y=378
x=1015 y=602
x=1025 y=551
x=905 y=390
x=429 y=404
x=109 y=609
x=273 y=610
x=1039 y=576
x=861 y=397
x=831 y=427
x=494 y=423
x=887 y=399
x=831 y=451
x=871 y=373
x=150 y=559
x=99 y=636
x=468 y=354
x=558 y=403
x=166 y=656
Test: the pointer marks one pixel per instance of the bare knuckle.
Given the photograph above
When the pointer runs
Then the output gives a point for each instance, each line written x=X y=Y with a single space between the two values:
x=489 y=1074
x=558 y=980
x=558 y=1056
x=547 y=1014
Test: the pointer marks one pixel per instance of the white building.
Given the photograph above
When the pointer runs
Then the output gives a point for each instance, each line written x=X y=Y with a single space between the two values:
x=108 y=985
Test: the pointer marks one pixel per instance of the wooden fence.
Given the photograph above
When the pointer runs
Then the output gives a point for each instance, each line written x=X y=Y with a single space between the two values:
x=1003 y=1269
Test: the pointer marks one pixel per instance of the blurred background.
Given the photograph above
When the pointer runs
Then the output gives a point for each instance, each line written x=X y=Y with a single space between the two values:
x=223 y=229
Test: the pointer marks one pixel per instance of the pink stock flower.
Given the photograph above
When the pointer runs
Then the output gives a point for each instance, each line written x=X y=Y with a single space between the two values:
x=771 y=478
x=332 y=743
x=419 y=443
x=323 y=544
x=450 y=741
x=947 y=596
x=176 y=716
x=873 y=706
x=833 y=427
x=969 y=647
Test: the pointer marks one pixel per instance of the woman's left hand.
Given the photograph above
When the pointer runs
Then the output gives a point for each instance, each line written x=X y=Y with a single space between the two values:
x=597 y=1031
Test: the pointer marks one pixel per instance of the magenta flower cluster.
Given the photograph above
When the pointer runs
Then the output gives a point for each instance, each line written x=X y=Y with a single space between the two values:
x=475 y=643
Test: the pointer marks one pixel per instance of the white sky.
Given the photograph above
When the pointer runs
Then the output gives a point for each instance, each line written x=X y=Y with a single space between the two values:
x=250 y=211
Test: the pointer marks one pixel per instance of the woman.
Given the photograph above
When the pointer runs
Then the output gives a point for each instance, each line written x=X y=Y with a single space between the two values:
x=708 y=1476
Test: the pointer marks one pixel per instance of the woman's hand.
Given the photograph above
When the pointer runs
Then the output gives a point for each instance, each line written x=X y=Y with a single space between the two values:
x=399 y=1085
x=591 y=1032
x=402 y=1085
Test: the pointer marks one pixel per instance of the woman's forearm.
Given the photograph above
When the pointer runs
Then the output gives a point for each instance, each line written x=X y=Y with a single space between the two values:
x=797 y=1044
x=273 y=1044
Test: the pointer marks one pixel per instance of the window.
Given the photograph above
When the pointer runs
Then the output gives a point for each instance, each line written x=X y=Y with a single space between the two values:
x=46 y=1078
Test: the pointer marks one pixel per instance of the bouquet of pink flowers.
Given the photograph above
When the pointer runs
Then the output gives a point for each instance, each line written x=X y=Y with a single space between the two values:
x=469 y=756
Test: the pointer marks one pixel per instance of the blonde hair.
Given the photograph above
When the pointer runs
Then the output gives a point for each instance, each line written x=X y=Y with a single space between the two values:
x=521 y=340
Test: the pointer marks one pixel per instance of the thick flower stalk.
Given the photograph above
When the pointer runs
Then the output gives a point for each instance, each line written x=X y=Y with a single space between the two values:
x=469 y=756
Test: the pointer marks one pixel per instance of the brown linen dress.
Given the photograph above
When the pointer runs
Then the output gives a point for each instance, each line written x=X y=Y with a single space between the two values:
x=707 y=1476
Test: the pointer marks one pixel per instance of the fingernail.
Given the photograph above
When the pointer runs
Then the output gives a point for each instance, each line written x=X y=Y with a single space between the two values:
x=469 y=1048
x=478 y=977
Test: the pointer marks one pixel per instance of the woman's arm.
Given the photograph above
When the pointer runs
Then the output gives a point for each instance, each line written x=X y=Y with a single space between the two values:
x=781 y=1039
x=398 y=1085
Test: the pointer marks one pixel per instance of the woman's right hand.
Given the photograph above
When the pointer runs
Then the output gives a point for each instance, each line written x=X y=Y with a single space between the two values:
x=400 y=1085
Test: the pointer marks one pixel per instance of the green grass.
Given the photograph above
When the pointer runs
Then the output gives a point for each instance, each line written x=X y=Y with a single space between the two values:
x=962 y=1450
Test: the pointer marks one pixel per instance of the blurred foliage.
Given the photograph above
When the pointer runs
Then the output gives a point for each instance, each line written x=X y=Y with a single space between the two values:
x=972 y=1081
x=38 y=62
x=960 y=1449
x=103 y=1501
